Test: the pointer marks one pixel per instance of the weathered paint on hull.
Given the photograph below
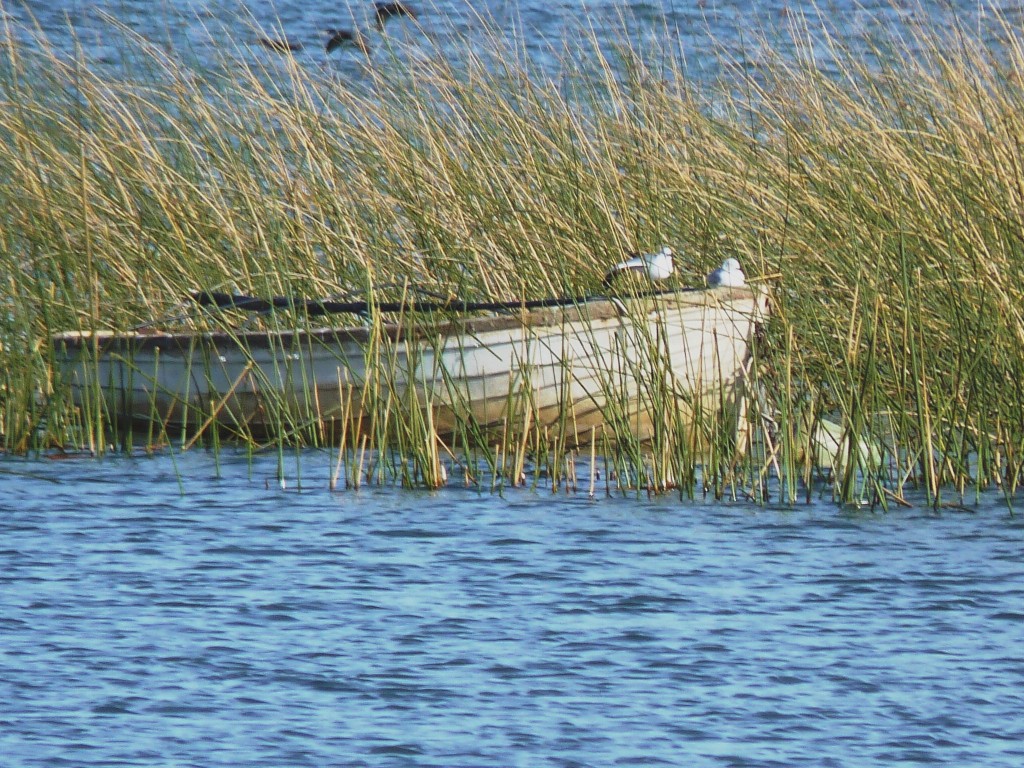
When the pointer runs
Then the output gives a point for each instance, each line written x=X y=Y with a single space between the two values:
x=678 y=352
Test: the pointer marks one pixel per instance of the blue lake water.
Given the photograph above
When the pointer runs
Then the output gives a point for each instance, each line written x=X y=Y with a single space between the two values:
x=541 y=30
x=155 y=613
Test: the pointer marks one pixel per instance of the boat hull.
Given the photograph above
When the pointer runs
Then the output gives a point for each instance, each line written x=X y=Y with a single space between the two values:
x=635 y=366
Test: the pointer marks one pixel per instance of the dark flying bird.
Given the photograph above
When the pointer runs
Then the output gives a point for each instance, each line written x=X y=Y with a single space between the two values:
x=343 y=37
x=279 y=45
x=392 y=10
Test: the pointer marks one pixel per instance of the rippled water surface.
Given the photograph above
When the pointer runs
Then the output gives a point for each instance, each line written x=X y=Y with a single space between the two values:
x=152 y=613
x=694 y=31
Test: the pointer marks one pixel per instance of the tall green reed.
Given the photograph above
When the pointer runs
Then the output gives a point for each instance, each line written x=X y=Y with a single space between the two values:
x=883 y=196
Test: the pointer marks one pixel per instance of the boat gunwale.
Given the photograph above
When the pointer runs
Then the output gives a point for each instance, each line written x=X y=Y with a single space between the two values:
x=597 y=308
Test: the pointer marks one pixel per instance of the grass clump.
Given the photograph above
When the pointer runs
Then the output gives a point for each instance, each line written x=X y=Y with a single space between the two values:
x=883 y=197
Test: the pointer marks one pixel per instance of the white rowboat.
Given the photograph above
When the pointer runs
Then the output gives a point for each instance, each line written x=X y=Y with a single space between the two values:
x=635 y=362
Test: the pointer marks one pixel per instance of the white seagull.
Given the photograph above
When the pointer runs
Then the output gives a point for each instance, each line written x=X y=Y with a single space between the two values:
x=729 y=275
x=657 y=266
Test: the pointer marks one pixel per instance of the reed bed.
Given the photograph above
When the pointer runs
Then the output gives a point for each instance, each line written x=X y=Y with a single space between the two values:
x=882 y=198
